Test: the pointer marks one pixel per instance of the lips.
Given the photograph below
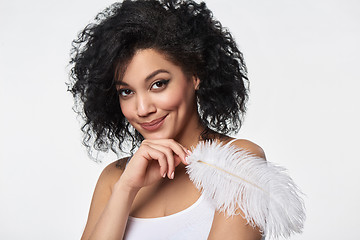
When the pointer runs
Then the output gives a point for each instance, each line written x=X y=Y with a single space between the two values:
x=153 y=125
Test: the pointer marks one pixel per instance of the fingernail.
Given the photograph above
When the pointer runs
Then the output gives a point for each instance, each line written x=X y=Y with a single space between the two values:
x=172 y=175
x=187 y=159
x=189 y=152
x=164 y=175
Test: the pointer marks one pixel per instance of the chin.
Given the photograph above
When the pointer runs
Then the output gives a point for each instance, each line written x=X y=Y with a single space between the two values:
x=156 y=136
x=160 y=134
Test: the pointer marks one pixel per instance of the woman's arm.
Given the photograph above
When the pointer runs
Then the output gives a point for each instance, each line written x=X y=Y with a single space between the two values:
x=233 y=228
x=103 y=200
x=112 y=222
x=111 y=206
x=236 y=227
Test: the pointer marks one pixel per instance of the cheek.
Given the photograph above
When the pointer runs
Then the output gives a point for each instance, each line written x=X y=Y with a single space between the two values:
x=172 y=100
x=126 y=109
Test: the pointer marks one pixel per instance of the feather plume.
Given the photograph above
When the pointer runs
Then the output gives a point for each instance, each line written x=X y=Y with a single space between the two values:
x=232 y=178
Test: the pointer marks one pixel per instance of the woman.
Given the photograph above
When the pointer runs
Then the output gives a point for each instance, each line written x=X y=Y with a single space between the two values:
x=162 y=76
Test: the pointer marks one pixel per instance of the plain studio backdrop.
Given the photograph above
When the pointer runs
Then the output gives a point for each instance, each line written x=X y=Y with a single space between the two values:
x=302 y=57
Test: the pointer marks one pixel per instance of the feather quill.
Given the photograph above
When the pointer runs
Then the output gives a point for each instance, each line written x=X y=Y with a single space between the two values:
x=232 y=178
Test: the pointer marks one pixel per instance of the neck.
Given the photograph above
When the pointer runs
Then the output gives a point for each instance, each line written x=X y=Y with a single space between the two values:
x=190 y=136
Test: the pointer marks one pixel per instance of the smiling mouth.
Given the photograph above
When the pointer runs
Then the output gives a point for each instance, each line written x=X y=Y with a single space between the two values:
x=153 y=125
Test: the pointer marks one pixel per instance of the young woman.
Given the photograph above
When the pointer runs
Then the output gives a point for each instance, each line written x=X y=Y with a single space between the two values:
x=158 y=76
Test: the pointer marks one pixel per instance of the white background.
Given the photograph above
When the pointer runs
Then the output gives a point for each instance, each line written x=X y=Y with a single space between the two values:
x=303 y=61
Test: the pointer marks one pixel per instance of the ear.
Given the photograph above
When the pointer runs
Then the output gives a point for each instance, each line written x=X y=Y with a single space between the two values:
x=196 y=82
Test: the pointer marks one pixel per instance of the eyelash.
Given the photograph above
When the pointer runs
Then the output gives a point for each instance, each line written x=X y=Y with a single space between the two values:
x=121 y=91
x=162 y=82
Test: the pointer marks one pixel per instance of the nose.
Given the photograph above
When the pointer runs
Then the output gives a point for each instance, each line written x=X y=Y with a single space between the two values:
x=144 y=105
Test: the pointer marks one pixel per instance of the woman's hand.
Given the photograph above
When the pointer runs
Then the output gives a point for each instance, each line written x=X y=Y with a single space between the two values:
x=153 y=160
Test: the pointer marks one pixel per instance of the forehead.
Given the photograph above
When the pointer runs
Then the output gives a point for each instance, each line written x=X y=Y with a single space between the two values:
x=145 y=62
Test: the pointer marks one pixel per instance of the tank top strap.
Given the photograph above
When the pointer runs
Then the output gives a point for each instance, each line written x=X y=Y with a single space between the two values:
x=230 y=142
x=128 y=160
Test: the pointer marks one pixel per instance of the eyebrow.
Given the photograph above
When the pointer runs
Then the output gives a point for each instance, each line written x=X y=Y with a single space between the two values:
x=150 y=76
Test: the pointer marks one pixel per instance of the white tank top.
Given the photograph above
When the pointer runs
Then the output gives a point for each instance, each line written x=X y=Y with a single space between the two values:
x=193 y=223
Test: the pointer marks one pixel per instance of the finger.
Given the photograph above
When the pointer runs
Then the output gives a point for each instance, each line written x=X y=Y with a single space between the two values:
x=178 y=149
x=170 y=158
x=151 y=153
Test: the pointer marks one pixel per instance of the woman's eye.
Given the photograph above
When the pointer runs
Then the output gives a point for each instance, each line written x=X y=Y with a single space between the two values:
x=160 y=84
x=125 y=92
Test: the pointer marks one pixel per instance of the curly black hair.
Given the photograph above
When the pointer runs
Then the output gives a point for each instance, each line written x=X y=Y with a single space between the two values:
x=187 y=34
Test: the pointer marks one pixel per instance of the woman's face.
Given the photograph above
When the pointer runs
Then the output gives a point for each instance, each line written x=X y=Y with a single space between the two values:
x=156 y=96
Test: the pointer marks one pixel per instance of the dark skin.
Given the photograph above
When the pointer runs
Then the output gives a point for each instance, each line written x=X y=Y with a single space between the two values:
x=161 y=106
x=145 y=203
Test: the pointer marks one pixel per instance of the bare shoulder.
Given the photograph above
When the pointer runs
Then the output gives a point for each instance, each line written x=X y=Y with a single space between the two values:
x=112 y=172
x=250 y=147
x=103 y=190
x=236 y=227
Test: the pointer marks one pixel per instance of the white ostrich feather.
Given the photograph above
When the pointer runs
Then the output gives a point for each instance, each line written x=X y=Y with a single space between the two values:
x=232 y=178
